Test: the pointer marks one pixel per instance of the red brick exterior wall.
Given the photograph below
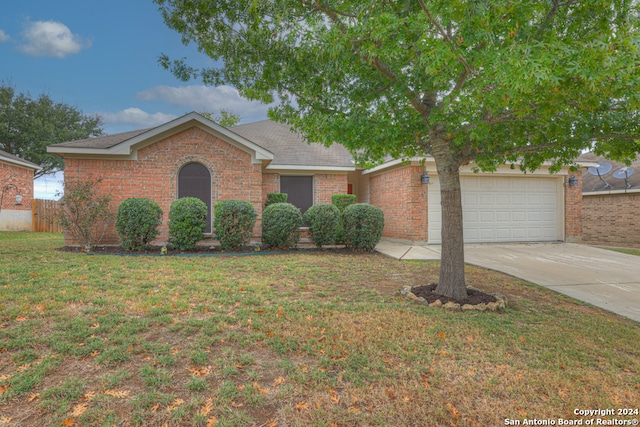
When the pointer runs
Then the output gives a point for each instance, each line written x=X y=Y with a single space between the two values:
x=573 y=209
x=270 y=184
x=325 y=185
x=154 y=175
x=403 y=199
x=611 y=219
x=22 y=178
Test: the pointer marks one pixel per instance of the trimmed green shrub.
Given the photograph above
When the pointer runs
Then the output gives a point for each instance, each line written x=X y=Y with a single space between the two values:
x=187 y=222
x=276 y=198
x=363 y=224
x=281 y=225
x=341 y=201
x=323 y=221
x=137 y=223
x=233 y=223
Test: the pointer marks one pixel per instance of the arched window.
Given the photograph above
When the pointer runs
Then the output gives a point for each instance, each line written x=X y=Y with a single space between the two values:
x=194 y=180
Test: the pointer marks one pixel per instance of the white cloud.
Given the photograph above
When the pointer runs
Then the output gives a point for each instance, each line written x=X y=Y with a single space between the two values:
x=134 y=118
x=206 y=98
x=51 y=38
x=4 y=36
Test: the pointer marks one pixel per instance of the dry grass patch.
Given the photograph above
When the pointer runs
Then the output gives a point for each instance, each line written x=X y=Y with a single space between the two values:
x=283 y=340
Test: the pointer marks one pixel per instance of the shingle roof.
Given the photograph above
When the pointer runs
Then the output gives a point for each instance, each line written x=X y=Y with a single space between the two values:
x=10 y=158
x=592 y=183
x=105 y=141
x=290 y=149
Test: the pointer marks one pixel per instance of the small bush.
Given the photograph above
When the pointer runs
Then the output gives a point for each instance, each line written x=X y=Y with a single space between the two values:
x=281 y=225
x=137 y=223
x=187 y=222
x=85 y=212
x=363 y=224
x=233 y=222
x=341 y=201
x=276 y=198
x=323 y=221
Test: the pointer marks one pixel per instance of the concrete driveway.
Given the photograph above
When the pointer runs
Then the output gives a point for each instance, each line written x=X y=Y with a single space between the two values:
x=600 y=277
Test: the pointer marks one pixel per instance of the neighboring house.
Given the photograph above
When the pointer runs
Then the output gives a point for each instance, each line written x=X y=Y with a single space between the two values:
x=193 y=156
x=611 y=202
x=16 y=192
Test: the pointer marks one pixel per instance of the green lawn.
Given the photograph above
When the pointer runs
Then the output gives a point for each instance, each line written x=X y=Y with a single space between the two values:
x=311 y=339
x=626 y=251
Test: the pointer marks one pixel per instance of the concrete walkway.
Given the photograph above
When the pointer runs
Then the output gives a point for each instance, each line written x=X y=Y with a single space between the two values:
x=606 y=279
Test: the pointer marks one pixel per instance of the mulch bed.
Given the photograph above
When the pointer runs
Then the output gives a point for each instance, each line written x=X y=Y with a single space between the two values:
x=475 y=297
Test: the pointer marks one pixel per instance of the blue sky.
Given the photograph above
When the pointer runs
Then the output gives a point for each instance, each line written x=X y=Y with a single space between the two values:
x=101 y=57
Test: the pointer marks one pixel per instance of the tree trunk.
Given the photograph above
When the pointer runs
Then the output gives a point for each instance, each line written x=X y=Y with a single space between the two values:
x=452 y=281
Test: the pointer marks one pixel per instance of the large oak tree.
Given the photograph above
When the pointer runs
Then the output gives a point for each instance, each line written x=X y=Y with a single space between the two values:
x=480 y=82
x=28 y=125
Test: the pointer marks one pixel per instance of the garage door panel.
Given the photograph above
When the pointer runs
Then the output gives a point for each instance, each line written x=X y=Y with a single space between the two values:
x=503 y=233
x=487 y=217
x=487 y=234
x=534 y=200
x=503 y=200
x=503 y=216
x=519 y=216
x=487 y=200
x=470 y=199
x=518 y=199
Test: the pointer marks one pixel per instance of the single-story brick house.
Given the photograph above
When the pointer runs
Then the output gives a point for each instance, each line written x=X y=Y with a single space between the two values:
x=611 y=202
x=16 y=192
x=193 y=156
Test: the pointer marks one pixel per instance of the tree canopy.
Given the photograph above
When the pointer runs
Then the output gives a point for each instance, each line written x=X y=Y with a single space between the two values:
x=469 y=82
x=28 y=125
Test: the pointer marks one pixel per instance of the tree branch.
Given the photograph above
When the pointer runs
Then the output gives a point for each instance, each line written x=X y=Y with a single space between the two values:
x=382 y=67
x=554 y=10
x=447 y=37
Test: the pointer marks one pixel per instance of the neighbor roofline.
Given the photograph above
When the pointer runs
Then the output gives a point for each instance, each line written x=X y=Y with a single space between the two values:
x=16 y=161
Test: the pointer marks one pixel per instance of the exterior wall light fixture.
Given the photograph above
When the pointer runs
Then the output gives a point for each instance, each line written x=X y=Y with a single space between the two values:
x=425 y=178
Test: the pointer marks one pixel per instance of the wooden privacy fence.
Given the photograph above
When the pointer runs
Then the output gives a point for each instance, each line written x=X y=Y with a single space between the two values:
x=43 y=213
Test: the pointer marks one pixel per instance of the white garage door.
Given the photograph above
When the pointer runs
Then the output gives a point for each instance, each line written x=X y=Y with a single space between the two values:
x=504 y=209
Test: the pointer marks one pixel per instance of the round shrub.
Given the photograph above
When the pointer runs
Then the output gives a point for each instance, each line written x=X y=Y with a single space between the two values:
x=341 y=201
x=137 y=223
x=362 y=226
x=323 y=221
x=233 y=223
x=276 y=198
x=187 y=222
x=281 y=225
